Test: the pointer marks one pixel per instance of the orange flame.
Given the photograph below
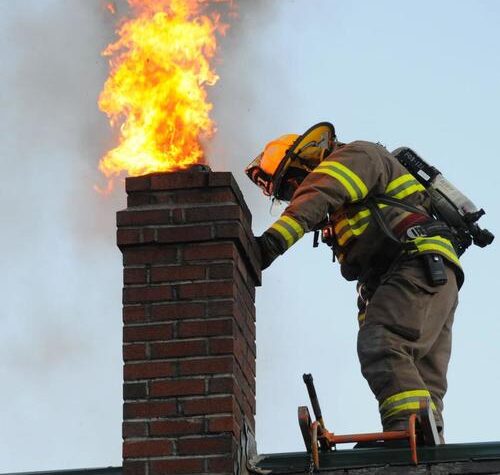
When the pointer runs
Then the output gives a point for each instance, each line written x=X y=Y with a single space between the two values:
x=111 y=7
x=156 y=91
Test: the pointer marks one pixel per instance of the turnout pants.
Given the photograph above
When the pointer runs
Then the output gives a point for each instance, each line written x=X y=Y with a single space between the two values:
x=404 y=341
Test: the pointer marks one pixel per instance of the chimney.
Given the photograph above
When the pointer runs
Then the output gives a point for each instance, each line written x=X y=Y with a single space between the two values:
x=190 y=272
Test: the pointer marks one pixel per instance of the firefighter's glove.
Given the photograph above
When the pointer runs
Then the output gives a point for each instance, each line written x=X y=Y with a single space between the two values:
x=269 y=249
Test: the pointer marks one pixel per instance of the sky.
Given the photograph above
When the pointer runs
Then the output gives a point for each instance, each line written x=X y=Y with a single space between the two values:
x=424 y=74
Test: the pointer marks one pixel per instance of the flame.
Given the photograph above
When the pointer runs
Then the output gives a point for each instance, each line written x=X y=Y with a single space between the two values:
x=111 y=7
x=156 y=91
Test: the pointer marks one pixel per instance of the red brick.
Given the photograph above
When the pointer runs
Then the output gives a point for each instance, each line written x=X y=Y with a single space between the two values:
x=221 y=308
x=135 y=391
x=210 y=252
x=206 y=366
x=177 y=311
x=146 y=410
x=134 y=352
x=178 y=216
x=176 y=427
x=147 y=448
x=134 y=371
x=140 y=199
x=233 y=230
x=222 y=385
x=222 y=179
x=134 y=467
x=206 y=406
x=144 y=217
x=162 y=331
x=243 y=382
x=213 y=213
x=184 y=234
x=206 y=290
x=221 y=346
x=205 y=445
x=223 y=424
x=205 y=328
x=196 y=196
x=250 y=364
x=243 y=279
x=242 y=282
x=179 y=387
x=134 y=313
x=221 y=271
x=179 y=180
x=177 y=466
x=226 y=179
x=133 y=275
x=221 y=465
x=173 y=349
x=138 y=183
x=159 y=254
x=128 y=236
x=134 y=429
x=147 y=294
x=177 y=273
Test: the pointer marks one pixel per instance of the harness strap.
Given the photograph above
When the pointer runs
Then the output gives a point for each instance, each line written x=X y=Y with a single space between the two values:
x=372 y=204
x=432 y=228
x=387 y=200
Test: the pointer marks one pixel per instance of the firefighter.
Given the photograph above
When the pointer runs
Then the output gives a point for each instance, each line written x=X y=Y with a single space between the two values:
x=407 y=269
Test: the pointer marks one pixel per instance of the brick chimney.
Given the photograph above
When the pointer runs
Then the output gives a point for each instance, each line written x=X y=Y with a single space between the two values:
x=190 y=272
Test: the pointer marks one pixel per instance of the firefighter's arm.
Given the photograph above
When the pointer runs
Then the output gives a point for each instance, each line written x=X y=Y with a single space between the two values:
x=346 y=176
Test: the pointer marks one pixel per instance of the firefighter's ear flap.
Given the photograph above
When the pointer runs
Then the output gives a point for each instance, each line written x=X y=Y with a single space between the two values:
x=314 y=144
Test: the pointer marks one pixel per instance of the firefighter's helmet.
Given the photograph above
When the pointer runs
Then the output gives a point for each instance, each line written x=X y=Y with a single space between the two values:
x=290 y=155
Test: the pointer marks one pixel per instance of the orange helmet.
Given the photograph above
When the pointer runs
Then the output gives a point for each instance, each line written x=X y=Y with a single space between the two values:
x=302 y=152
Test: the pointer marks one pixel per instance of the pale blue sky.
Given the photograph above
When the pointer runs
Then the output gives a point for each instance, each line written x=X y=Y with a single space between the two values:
x=424 y=74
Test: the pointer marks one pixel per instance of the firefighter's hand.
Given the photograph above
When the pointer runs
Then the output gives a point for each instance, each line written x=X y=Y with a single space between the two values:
x=269 y=250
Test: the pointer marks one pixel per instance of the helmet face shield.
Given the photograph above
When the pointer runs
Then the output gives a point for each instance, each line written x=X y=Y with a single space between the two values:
x=262 y=179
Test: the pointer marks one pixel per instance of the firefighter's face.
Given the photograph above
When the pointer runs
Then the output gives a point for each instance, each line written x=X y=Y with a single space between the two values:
x=291 y=181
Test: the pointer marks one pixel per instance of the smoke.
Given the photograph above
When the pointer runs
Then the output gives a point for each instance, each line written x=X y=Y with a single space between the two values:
x=62 y=277
x=250 y=75
x=61 y=311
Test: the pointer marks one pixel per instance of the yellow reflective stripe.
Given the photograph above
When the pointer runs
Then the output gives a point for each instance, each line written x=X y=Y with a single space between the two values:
x=288 y=229
x=437 y=244
x=361 y=317
x=352 y=193
x=344 y=238
x=359 y=182
x=352 y=222
x=408 y=191
x=350 y=233
x=408 y=406
x=405 y=395
x=294 y=224
x=399 y=181
x=355 y=187
x=343 y=235
x=355 y=226
x=358 y=217
x=403 y=186
x=340 y=225
x=280 y=229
